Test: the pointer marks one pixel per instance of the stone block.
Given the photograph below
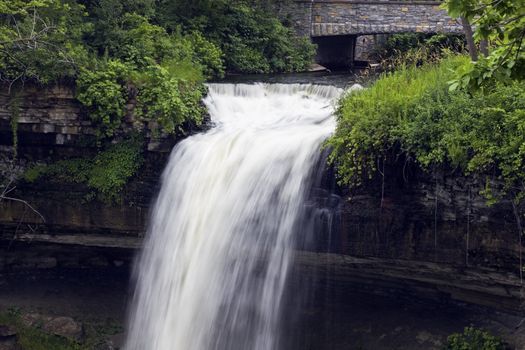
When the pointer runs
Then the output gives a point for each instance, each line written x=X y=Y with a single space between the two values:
x=70 y=130
x=48 y=128
x=60 y=139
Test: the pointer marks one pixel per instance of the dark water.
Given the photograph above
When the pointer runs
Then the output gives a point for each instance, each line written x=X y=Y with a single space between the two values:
x=339 y=79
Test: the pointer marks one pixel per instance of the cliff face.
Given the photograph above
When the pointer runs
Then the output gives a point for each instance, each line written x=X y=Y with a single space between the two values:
x=74 y=230
x=412 y=235
x=422 y=235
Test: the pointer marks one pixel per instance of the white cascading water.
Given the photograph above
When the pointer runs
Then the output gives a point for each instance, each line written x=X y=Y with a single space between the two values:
x=220 y=244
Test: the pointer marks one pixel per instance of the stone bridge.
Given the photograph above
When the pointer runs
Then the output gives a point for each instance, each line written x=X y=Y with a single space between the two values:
x=335 y=25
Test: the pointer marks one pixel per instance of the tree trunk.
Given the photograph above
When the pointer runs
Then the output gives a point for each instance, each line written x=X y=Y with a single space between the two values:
x=469 y=36
x=484 y=47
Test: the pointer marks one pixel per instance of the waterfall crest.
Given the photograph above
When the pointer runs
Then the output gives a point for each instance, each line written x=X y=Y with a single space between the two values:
x=220 y=243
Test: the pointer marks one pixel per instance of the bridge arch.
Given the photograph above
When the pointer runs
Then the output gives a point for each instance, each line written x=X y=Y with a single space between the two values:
x=334 y=25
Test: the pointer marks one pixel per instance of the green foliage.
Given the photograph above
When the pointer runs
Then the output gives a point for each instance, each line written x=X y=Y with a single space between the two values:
x=412 y=112
x=165 y=71
x=167 y=99
x=368 y=119
x=474 y=339
x=502 y=24
x=207 y=54
x=417 y=48
x=121 y=52
x=110 y=19
x=252 y=40
x=111 y=169
x=169 y=95
x=104 y=91
x=41 y=40
x=107 y=173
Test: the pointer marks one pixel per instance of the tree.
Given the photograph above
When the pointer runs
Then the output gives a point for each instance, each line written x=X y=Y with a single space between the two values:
x=499 y=29
x=39 y=39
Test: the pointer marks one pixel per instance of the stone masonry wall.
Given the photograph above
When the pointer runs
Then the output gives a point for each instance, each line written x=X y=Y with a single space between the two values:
x=360 y=17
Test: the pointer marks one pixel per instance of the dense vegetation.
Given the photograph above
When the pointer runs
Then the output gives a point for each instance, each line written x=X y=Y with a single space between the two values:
x=151 y=55
x=159 y=52
x=252 y=40
x=455 y=112
x=105 y=174
x=417 y=48
x=474 y=339
x=413 y=114
x=495 y=34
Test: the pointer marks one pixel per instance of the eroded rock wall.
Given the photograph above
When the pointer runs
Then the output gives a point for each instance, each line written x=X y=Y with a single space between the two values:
x=409 y=234
x=53 y=125
x=417 y=233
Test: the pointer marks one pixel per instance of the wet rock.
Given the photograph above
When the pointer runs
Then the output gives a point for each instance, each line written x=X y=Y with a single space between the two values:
x=62 y=326
x=6 y=332
x=424 y=337
x=7 y=338
x=46 y=263
x=65 y=327
x=8 y=344
x=117 y=340
x=98 y=261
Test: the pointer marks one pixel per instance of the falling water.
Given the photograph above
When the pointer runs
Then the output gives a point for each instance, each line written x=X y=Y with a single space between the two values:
x=220 y=244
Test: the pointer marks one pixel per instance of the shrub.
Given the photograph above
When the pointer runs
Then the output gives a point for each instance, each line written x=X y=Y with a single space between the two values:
x=168 y=99
x=41 y=40
x=413 y=113
x=110 y=170
x=106 y=174
x=474 y=339
x=252 y=40
x=418 y=48
x=207 y=54
x=104 y=91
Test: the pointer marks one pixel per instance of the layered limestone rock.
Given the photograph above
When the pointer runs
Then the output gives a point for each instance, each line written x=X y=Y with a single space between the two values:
x=413 y=234
x=53 y=125
x=432 y=235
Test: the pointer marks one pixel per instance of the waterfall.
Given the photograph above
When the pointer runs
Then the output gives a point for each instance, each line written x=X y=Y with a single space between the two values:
x=220 y=243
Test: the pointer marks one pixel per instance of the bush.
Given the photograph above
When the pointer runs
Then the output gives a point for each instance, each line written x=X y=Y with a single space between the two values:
x=111 y=169
x=252 y=40
x=167 y=99
x=418 y=48
x=413 y=114
x=41 y=40
x=106 y=174
x=474 y=339
x=207 y=54
x=258 y=43
x=104 y=91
